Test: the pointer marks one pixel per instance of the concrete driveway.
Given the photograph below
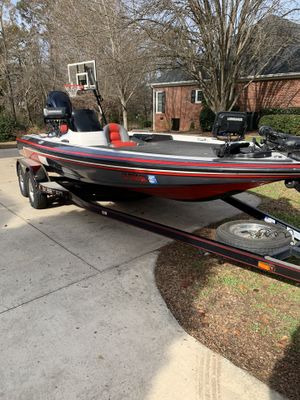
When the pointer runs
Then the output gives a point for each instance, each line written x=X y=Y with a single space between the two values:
x=80 y=315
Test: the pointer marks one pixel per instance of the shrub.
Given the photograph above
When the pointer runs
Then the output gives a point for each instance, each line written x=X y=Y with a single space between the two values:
x=207 y=117
x=147 y=124
x=276 y=111
x=192 y=126
x=8 y=128
x=35 y=129
x=289 y=123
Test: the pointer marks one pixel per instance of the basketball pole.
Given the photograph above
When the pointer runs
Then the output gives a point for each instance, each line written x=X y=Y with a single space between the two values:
x=97 y=94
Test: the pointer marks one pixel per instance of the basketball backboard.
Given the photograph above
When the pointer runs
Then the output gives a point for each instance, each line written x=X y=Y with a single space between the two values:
x=83 y=73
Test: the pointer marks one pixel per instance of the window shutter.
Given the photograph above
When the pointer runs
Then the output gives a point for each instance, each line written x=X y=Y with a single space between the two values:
x=193 y=96
x=163 y=102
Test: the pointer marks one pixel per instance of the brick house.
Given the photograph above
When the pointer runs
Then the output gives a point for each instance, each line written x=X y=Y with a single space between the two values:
x=176 y=102
x=177 y=99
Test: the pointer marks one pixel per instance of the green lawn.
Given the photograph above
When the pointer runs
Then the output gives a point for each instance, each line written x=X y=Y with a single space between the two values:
x=283 y=203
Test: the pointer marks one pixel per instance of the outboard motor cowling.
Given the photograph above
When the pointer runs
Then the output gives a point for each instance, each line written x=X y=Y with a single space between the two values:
x=59 y=100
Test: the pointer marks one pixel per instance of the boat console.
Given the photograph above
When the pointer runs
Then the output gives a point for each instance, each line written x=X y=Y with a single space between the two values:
x=243 y=150
x=230 y=123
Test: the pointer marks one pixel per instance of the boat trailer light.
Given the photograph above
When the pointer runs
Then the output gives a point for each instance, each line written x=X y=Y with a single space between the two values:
x=265 y=266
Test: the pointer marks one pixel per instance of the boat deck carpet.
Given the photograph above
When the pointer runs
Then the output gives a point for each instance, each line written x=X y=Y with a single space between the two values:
x=176 y=148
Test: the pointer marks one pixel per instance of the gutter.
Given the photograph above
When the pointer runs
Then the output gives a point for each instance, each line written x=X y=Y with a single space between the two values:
x=267 y=77
x=178 y=83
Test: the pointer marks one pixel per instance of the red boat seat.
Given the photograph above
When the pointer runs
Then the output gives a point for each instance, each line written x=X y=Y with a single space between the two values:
x=117 y=136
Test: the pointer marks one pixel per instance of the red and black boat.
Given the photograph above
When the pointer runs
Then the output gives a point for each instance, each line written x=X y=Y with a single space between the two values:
x=78 y=149
x=79 y=161
x=108 y=159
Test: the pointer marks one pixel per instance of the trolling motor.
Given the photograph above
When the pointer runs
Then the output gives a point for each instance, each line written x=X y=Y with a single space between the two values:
x=283 y=142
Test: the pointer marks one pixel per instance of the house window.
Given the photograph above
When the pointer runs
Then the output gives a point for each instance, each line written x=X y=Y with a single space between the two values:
x=160 y=102
x=197 y=96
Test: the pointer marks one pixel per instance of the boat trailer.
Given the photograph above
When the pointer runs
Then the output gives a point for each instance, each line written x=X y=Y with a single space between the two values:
x=276 y=264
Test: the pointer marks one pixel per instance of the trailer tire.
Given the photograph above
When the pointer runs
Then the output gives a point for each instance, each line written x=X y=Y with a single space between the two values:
x=37 y=198
x=255 y=236
x=23 y=181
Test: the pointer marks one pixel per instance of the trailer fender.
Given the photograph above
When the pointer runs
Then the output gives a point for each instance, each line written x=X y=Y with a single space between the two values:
x=37 y=170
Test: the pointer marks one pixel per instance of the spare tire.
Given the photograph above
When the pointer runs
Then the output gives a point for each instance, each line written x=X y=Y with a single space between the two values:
x=255 y=236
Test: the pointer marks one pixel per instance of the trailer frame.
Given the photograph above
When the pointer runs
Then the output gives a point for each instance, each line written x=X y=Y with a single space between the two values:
x=276 y=264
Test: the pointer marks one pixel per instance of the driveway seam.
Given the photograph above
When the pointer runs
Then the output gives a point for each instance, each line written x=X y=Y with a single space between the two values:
x=51 y=292
x=78 y=281
x=123 y=264
x=51 y=238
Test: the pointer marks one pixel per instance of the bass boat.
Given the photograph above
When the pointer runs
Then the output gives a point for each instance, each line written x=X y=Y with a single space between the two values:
x=180 y=167
x=159 y=165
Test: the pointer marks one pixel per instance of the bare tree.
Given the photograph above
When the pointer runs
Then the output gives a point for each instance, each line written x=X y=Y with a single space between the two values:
x=217 y=41
x=100 y=29
x=38 y=38
x=25 y=65
x=5 y=65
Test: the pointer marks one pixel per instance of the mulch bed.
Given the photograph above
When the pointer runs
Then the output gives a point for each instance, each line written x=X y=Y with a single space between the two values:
x=249 y=317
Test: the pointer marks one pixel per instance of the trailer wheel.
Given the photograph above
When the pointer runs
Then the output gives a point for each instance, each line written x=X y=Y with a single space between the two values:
x=255 y=236
x=37 y=198
x=23 y=181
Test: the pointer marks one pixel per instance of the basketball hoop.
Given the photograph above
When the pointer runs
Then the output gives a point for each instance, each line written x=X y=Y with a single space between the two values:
x=72 y=89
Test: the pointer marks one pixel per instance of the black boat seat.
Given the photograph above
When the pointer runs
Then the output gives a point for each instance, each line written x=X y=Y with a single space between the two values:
x=85 y=120
x=117 y=136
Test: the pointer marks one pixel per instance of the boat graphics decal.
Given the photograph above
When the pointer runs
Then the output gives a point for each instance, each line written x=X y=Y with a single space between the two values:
x=165 y=161
x=255 y=174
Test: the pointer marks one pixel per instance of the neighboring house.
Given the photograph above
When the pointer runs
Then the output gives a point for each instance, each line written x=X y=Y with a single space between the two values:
x=278 y=86
x=177 y=99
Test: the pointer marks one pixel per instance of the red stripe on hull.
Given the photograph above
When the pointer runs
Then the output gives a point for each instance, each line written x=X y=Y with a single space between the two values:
x=35 y=156
x=193 y=192
x=162 y=162
x=199 y=192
